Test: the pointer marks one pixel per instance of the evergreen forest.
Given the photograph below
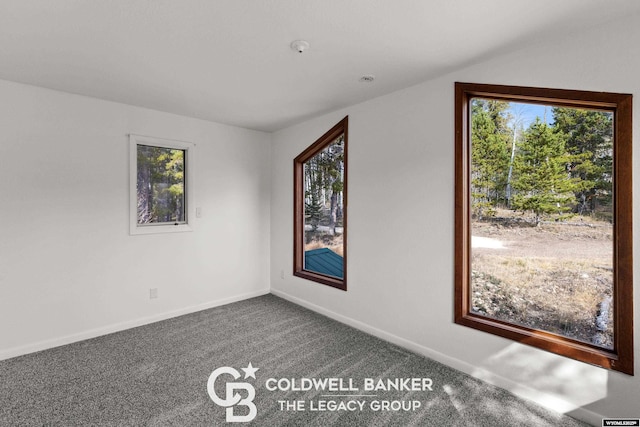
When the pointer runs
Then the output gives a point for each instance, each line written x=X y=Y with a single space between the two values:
x=547 y=169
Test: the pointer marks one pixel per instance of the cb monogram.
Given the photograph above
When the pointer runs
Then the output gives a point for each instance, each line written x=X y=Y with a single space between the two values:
x=231 y=398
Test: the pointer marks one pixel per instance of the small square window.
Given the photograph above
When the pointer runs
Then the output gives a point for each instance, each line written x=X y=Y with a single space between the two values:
x=160 y=185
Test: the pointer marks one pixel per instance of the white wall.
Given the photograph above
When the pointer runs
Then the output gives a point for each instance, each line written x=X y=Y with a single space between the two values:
x=69 y=268
x=401 y=221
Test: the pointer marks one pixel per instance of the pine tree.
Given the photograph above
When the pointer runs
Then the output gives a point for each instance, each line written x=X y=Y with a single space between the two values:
x=490 y=154
x=589 y=139
x=542 y=172
x=313 y=211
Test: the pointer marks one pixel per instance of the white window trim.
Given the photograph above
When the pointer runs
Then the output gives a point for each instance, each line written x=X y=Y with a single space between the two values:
x=188 y=147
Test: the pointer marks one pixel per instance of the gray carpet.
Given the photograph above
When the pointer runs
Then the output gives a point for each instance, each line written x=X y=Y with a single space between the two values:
x=156 y=375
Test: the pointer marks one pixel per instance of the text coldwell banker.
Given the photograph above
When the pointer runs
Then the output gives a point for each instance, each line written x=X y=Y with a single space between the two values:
x=347 y=384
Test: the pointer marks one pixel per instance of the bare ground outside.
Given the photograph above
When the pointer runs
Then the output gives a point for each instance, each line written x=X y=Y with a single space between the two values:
x=556 y=277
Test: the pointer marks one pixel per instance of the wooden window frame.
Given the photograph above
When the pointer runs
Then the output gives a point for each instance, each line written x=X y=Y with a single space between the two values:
x=620 y=358
x=298 y=206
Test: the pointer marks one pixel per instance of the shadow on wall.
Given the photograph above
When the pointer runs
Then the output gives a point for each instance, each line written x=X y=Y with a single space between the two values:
x=552 y=381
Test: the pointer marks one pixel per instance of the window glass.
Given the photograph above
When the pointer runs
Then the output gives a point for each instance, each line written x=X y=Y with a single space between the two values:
x=542 y=217
x=160 y=185
x=323 y=208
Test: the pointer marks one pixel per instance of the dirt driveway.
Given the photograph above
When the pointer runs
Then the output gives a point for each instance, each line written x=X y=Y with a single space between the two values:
x=563 y=241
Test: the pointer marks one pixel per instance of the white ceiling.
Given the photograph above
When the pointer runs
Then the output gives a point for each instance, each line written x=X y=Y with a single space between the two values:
x=229 y=61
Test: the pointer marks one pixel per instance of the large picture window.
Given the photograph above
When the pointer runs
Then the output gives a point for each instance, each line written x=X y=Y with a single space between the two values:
x=320 y=209
x=543 y=219
x=160 y=185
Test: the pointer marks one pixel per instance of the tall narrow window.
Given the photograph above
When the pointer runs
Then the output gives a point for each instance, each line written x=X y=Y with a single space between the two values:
x=160 y=185
x=320 y=209
x=543 y=219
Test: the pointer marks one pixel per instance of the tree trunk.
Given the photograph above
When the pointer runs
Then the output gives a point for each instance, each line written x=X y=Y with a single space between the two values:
x=334 y=212
x=144 y=193
x=510 y=174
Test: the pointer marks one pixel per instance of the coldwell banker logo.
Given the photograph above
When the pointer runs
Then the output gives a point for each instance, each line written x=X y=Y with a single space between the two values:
x=334 y=394
x=232 y=398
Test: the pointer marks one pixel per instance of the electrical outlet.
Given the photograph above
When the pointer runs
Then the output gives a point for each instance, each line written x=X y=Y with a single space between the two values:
x=198 y=212
x=282 y=274
x=153 y=293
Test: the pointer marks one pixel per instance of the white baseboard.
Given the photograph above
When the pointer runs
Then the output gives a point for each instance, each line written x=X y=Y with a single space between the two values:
x=93 y=333
x=523 y=391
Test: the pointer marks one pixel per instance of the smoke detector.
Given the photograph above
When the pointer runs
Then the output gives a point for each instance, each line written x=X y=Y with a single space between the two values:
x=299 y=45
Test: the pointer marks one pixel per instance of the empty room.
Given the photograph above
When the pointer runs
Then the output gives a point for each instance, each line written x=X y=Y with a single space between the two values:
x=322 y=212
